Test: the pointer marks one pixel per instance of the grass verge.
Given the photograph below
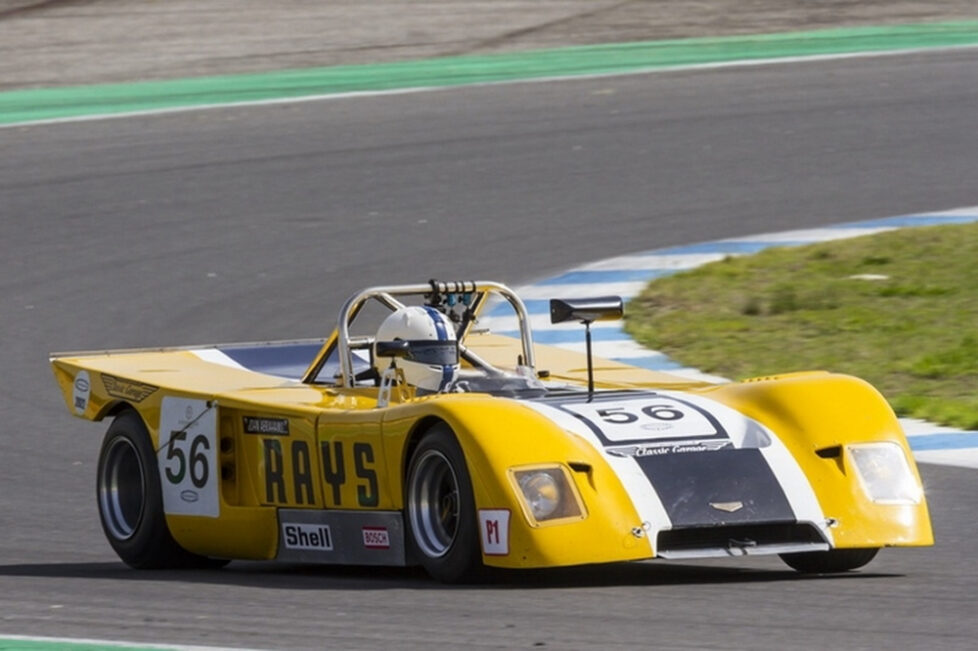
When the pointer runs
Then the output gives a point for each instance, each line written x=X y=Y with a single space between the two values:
x=899 y=309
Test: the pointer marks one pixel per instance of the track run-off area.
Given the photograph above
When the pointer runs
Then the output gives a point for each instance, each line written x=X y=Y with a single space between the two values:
x=255 y=219
x=44 y=105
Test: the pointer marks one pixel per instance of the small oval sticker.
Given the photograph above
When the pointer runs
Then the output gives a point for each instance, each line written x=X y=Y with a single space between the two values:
x=189 y=496
x=82 y=392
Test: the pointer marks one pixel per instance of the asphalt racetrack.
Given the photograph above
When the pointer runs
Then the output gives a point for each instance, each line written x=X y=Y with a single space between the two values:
x=256 y=223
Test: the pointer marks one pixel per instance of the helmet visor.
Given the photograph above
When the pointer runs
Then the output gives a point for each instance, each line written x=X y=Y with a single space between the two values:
x=440 y=353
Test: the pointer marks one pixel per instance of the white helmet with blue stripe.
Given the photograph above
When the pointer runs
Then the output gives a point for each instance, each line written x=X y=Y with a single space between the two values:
x=433 y=360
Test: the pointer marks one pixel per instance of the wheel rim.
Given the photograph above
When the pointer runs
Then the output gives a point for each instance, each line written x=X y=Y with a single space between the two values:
x=433 y=503
x=120 y=489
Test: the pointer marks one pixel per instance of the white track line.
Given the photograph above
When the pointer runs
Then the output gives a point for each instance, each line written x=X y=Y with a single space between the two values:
x=537 y=80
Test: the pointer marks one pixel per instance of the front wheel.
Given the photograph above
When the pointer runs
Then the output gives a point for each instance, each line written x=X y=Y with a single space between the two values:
x=130 y=500
x=440 y=509
x=832 y=561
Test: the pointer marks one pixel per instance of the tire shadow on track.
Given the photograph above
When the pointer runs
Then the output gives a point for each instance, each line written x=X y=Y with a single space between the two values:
x=318 y=577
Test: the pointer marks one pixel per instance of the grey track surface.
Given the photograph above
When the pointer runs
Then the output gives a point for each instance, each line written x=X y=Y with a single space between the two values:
x=57 y=42
x=249 y=224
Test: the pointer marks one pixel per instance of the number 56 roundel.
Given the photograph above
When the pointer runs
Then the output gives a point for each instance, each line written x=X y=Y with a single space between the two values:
x=187 y=457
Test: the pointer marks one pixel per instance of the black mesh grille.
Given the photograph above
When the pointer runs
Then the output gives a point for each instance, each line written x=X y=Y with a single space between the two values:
x=723 y=537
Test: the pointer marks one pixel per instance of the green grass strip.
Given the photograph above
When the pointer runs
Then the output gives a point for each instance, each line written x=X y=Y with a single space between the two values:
x=70 y=102
x=899 y=309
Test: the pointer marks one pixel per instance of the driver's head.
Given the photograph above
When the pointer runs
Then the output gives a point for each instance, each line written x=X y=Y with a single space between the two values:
x=433 y=361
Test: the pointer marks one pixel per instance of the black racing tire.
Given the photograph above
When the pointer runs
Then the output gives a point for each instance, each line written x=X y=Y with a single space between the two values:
x=130 y=500
x=830 y=562
x=439 y=509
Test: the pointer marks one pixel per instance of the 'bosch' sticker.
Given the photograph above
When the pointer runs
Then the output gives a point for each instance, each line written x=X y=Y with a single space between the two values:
x=376 y=538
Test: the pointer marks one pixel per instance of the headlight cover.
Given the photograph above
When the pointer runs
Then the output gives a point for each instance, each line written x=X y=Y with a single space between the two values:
x=547 y=493
x=885 y=473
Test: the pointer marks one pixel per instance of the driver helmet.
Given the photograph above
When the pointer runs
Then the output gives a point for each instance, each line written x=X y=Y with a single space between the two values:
x=432 y=364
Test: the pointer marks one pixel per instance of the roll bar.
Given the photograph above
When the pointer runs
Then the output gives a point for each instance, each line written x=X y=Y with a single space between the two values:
x=437 y=289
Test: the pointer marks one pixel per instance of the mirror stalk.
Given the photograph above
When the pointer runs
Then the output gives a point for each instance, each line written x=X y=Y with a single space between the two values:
x=587 y=311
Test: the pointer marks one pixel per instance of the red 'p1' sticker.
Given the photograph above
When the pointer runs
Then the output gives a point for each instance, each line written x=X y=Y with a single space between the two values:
x=494 y=531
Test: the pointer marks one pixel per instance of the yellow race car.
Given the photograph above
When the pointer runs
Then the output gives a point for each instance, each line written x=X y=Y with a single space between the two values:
x=412 y=435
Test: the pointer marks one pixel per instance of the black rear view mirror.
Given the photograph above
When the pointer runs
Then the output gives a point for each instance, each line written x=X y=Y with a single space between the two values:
x=587 y=311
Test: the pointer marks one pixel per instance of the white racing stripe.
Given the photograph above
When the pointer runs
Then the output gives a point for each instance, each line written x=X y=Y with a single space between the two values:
x=215 y=356
x=740 y=63
x=797 y=489
x=652 y=514
x=741 y=432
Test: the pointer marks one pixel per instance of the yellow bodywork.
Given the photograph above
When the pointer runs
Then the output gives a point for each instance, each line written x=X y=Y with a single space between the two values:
x=342 y=452
x=822 y=411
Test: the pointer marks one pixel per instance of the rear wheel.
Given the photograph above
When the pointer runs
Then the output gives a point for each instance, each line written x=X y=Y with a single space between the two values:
x=130 y=500
x=440 y=509
x=834 y=560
